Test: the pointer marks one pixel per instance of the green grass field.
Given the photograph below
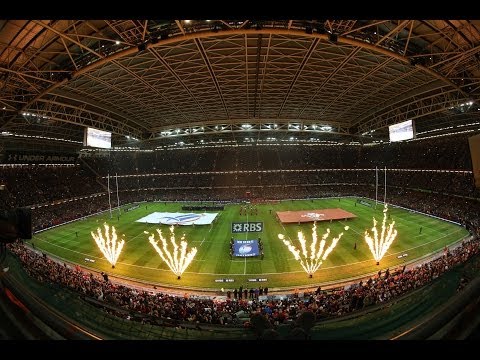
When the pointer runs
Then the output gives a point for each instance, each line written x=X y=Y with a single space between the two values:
x=140 y=261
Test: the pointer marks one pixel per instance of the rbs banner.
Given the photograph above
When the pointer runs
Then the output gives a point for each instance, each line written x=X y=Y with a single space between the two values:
x=242 y=227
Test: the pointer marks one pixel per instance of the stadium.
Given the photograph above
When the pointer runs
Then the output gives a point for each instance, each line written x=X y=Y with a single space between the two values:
x=239 y=179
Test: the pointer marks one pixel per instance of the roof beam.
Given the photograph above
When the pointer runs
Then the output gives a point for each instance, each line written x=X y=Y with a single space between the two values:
x=246 y=73
x=226 y=24
x=264 y=72
x=80 y=99
x=307 y=56
x=408 y=39
x=246 y=126
x=394 y=30
x=69 y=54
x=212 y=74
x=63 y=36
x=414 y=108
x=257 y=74
x=264 y=31
x=179 y=24
x=197 y=36
x=356 y=83
x=148 y=85
x=251 y=121
x=80 y=115
x=244 y=23
x=175 y=75
x=328 y=78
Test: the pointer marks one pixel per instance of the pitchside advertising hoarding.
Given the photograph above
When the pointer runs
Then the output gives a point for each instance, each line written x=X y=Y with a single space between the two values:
x=247 y=227
x=18 y=157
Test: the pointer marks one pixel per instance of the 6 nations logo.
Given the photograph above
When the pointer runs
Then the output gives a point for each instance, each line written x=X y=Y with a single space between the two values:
x=241 y=227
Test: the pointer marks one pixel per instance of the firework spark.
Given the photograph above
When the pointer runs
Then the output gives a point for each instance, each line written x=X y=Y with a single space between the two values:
x=109 y=245
x=379 y=246
x=311 y=257
x=180 y=259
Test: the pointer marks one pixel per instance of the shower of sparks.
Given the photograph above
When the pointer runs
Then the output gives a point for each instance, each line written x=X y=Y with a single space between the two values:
x=179 y=259
x=379 y=243
x=109 y=244
x=311 y=257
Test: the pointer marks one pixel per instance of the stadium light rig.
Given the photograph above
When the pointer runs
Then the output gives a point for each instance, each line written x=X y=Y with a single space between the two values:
x=313 y=259
x=177 y=261
x=379 y=246
x=109 y=245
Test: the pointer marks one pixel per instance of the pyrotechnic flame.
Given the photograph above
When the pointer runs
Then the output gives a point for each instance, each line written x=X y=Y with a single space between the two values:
x=180 y=259
x=311 y=257
x=109 y=245
x=379 y=246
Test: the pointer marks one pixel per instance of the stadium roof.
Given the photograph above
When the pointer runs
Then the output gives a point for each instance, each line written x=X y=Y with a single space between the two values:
x=155 y=79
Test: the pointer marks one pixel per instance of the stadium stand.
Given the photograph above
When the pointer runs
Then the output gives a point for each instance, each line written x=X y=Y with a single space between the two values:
x=445 y=194
x=335 y=302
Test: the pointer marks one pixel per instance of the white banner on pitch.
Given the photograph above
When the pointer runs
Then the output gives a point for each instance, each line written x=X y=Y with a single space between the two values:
x=168 y=218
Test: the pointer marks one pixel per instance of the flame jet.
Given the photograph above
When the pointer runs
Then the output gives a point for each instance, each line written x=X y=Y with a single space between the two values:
x=380 y=242
x=109 y=244
x=180 y=258
x=311 y=257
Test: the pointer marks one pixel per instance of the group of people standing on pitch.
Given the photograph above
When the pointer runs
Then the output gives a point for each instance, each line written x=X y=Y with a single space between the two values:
x=242 y=293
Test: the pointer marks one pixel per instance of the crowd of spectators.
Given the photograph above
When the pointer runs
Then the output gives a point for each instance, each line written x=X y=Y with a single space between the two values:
x=54 y=193
x=449 y=153
x=462 y=210
x=441 y=182
x=202 y=169
x=51 y=215
x=151 y=305
x=34 y=184
x=185 y=168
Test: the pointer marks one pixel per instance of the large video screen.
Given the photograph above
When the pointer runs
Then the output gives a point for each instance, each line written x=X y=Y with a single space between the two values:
x=402 y=131
x=98 y=138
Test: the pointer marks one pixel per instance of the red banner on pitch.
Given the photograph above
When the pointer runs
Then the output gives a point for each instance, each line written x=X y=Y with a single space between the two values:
x=313 y=215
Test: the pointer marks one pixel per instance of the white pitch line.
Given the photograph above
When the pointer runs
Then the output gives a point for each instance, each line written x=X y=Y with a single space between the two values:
x=351 y=227
x=399 y=252
x=276 y=273
x=288 y=272
x=204 y=237
x=68 y=237
x=399 y=220
x=63 y=247
x=126 y=242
